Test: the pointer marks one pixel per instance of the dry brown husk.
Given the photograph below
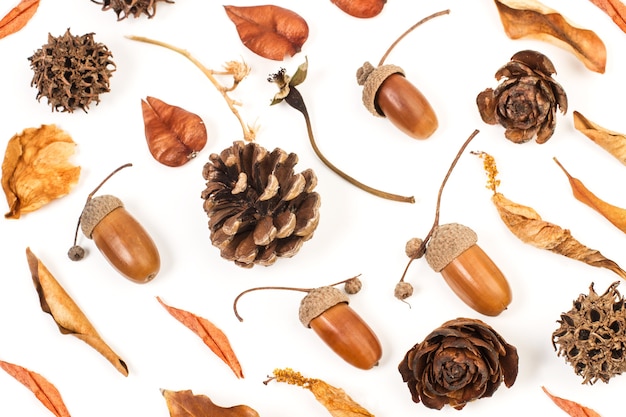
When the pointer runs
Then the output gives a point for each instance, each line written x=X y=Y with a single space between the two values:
x=187 y=404
x=612 y=142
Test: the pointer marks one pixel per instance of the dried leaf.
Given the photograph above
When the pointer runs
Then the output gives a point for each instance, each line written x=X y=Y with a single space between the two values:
x=336 y=401
x=270 y=31
x=36 y=170
x=614 y=214
x=615 y=9
x=45 y=392
x=210 y=334
x=66 y=313
x=17 y=17
x=570 y=407
x=612 y=142
x=187 y=404
x=174 y=135
x=532 y=19
x=361 y=8
x=525 y=223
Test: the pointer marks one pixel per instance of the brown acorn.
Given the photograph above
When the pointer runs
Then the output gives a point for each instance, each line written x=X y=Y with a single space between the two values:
x=121 y=239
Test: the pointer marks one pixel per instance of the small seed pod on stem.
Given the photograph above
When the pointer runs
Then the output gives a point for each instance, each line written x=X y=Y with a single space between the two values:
x=387 y=93
x=119 y=236
x=326 y=311
x=451 y=249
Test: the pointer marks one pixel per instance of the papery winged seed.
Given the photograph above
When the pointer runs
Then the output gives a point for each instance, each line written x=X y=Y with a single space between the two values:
x=241 y=184
x=295 y=187
x=270 y=189
x=285 y=224
x=264 y=231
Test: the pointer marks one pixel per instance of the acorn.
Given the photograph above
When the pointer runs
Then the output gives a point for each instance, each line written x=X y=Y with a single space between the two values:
x=387 y=93
x=467 y=269
x=121 y=239
x=326 y=311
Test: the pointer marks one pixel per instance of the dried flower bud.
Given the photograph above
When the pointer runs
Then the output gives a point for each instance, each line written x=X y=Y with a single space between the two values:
x=414 y=248
x=353 y=285
x=403 y=290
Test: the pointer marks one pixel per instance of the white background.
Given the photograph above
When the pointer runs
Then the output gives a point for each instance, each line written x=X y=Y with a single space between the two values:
x=450 y=59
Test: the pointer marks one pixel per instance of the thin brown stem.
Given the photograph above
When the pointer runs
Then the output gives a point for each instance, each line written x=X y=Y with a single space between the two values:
x=248 y=133
x=409 y=30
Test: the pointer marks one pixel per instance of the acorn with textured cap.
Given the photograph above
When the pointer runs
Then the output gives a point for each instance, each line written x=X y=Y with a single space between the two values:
x=121 y=239
x=326 y=311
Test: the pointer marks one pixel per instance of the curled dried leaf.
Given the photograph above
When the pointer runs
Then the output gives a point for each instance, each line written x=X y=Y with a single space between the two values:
x=43 y=389
x=614 y=214
x=174 y=135
x=18 y=17
x=612 y=142
x=55 y=301
x=615 y=9
x=210 y=334
x=270 y=31
x=187 y=404
x=36 y=170
x=336 y=401
x=525 y=223
x=571 y=407
x=361 y=8
x=532 y=19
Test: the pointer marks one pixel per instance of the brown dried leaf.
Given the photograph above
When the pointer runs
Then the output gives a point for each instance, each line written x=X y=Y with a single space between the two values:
x=210 y=334
x=336 y=401
x=270 y=31
x=36 y=170
x=174 y=135
x=614 y=214
x=615 y=9
x=570 y=407
x=532 y=19
x=361 y=8
x=612 y=142
x=45 y=392
x=55 y=301
x=17 y=17
x=186 y=404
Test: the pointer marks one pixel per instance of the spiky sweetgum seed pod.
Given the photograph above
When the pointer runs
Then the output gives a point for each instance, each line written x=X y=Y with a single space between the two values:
x=135 y=8
x=71 y=71
x=592 y=335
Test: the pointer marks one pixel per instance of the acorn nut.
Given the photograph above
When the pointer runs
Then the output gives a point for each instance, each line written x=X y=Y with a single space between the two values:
x=468 y=270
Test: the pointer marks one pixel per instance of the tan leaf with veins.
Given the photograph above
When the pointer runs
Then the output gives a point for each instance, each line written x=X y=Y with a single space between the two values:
x=571 y=407
x=612 y=142
x=17 y=17
x=532 y=19
x=615 y=9
x=187 y=404
x=36 y=169
x=66 y=313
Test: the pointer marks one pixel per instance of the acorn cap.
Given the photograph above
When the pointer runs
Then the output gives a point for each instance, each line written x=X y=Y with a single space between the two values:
x=95 y=210
x=319 y=300
x=371 y=79
x=448 y=242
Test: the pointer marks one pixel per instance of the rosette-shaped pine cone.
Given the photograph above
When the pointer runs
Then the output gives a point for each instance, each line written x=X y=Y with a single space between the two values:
x=592 y=335
x=135 y=8
x=461 y=361
x=258 y=208
x=525 y=103
x=71 y=71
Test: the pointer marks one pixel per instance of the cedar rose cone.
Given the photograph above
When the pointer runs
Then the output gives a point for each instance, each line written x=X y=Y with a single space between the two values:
x=592 y=335
x=258 y=208
x=461 y=361
x=71 y=71
x=525 y=102
x=135 y=8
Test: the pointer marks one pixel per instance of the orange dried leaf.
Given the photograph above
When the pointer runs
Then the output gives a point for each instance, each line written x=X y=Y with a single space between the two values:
x=615 y=9
x=36 y=170
x=17 y=17
x=610 y=141
x=45 y=392
x=187 y=404
x=336 y=401
x=210 y=334
x=614 y=214
x=570 y=407
x=532 y=19
x=270 y=31
x=55 y=301
x=525 y=223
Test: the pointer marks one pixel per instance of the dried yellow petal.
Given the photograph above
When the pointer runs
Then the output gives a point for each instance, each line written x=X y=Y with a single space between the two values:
x=610 y=141
x=36 y=170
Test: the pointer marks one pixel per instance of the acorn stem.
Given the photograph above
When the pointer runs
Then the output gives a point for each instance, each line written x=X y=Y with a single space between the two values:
x=295 y=100
x=409 y=30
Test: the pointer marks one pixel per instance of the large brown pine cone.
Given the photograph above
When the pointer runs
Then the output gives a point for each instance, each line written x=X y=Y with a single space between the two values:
x=461 y=361
x=525 y=103
x=258 y=208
